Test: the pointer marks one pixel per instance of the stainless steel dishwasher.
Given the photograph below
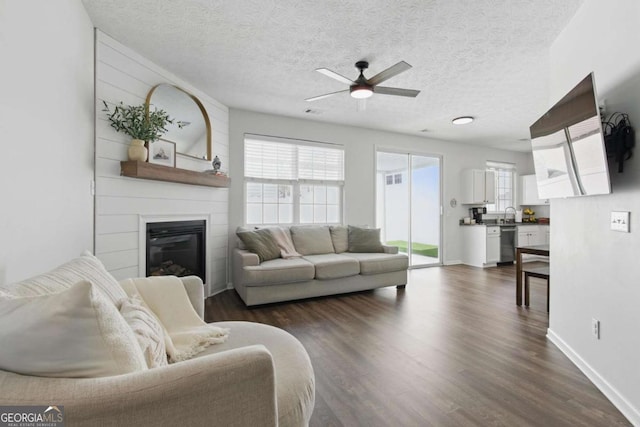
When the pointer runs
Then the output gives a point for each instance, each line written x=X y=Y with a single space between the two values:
x=507 y=244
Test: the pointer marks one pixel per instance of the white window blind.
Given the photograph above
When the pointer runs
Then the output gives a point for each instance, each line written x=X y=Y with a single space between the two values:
x=319 y=163
x=289 y=161
x=270 y=160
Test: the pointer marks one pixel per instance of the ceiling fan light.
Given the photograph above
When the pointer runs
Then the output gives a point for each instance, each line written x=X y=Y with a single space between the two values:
x=361 y=92
x=462 y=120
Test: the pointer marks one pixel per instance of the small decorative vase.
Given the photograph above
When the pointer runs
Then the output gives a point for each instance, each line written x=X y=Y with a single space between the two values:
x=137 y=150
x=216 y=164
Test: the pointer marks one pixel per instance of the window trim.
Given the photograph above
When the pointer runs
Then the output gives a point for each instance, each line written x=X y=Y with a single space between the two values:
x=496 y=167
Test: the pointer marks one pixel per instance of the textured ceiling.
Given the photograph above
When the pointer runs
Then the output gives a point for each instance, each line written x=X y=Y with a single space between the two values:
x=485 y=58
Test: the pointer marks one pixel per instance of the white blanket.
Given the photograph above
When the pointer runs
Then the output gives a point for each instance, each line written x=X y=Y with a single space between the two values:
x=287 y=250
x=186 y=333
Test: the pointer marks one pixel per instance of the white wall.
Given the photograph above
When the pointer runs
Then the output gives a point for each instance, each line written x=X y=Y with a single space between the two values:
x=46 y=123
x=595 y=270
x=360 y=146
x=123 y=75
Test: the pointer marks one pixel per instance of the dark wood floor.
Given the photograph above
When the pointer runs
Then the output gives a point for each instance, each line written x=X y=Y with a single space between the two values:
x=452 y=349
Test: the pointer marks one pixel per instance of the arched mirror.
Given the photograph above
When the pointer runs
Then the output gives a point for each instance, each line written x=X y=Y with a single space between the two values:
x=191 y=129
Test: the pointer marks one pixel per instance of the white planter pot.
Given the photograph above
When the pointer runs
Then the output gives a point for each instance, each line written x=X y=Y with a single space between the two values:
x=137 y=150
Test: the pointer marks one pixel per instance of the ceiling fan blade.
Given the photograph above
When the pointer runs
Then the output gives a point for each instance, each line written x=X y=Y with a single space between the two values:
x=395 y=91
x=326 y=95
x=335 y=76
x=394 y=70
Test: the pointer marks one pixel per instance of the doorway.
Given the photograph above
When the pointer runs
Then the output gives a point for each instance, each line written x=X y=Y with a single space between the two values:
x=408 y=205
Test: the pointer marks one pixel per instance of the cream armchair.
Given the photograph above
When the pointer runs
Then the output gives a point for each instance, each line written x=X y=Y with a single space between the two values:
x=260 y=376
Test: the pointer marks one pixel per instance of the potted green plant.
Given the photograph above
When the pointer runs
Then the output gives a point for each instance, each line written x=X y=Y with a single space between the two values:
x=140 y=123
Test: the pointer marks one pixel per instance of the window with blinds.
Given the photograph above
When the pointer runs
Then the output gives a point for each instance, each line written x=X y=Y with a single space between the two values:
x=504 y=186
x=292 y=182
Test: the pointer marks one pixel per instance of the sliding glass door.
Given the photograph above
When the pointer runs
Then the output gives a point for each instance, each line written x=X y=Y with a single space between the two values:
x=408 y=205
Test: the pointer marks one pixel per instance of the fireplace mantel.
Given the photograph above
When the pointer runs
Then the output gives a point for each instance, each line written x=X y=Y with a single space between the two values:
x=144 y=170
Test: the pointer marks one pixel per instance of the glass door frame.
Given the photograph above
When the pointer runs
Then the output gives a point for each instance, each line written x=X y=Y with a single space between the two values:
x=409 y=153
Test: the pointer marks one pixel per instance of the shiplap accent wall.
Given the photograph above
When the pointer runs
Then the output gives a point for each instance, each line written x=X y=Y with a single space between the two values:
x=123 y=75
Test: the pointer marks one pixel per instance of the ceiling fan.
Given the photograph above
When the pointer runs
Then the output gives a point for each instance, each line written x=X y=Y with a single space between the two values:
x=362 y=87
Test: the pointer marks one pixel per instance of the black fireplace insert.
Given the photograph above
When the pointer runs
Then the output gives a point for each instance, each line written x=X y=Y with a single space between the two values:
x=176 y=248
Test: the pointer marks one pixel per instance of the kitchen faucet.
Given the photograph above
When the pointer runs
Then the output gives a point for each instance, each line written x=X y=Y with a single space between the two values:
x=504 y=220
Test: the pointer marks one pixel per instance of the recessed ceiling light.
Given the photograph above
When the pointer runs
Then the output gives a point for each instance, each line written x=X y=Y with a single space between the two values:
x=462 y=120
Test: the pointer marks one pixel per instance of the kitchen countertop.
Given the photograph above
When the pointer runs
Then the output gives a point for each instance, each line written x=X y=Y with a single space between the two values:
x=492 y=224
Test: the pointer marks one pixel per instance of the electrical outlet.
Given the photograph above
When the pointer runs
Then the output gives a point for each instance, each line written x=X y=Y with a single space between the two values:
x=620 y=221
x=595 y=328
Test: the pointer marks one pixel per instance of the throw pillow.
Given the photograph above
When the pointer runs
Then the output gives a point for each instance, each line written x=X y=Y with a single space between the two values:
x=85 y=267
x=364 y=239
x=239 y=242
x=260 y=242
x=76 y=333
x=147 y=329
x=312 y=239
x=340 y=238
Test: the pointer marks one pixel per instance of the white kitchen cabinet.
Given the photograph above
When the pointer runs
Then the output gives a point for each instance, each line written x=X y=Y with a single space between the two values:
x=529 y=191
x=493 y=244
x=478 y=187
x=530 y=235
x=481 y=245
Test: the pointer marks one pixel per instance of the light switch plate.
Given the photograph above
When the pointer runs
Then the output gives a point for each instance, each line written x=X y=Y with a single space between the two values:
x=620 y=221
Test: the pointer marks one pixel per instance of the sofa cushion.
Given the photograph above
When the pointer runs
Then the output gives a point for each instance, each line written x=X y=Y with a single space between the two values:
x=260 y=242
x=312 y=239
x=278 y=271
x=364 y=239
x=374 y=263
x=75 y=333
x=333 y=266
x=85 y=267
x=339 y=238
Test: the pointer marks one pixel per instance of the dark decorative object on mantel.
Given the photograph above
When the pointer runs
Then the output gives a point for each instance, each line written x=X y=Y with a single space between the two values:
x=216 y=164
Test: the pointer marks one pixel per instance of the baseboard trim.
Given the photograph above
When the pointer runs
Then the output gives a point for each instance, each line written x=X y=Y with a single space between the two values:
x=453 y=262
x=623 y=405
x=218 y=291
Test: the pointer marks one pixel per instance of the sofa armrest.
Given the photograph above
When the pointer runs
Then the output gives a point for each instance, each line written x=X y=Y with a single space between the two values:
x=195 y=290
x=231 y=388
x=246 y=258
x=241 y=259
x=192 y=284
x=390 y=249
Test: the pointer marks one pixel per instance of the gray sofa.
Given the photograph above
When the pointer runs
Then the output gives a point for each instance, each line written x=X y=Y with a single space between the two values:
x=325 y=267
